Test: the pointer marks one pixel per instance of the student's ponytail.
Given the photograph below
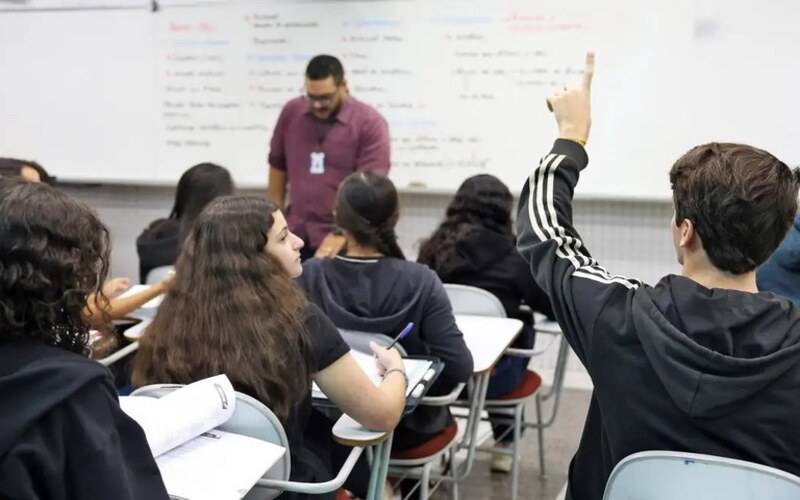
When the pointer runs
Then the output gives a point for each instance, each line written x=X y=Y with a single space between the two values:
x=367 y=208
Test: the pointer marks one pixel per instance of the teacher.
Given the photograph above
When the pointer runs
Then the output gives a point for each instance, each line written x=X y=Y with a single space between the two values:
x=320 y=139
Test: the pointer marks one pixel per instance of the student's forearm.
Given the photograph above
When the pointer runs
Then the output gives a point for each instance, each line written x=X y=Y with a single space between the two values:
x=276 y=187
x=392 y=385
x=122 y=306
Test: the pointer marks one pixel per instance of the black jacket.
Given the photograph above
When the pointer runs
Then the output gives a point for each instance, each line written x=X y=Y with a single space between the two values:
x=158 y=245
x=676 y=366
x=382 y=296
x=62 y=433
x=490 y=261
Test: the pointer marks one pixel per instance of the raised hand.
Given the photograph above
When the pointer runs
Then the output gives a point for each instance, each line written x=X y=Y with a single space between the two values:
x=572 y=106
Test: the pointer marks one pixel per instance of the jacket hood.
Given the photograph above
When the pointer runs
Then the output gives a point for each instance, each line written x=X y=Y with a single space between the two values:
x=369 y=304
x=714 y=348
x=477 y=250
x=35 y=379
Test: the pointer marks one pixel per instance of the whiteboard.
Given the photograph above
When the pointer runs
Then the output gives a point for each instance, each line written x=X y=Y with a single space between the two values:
x=138 y=96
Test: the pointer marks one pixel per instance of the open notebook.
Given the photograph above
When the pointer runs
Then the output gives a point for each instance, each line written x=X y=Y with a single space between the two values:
x=197 y=461
x=417 y=370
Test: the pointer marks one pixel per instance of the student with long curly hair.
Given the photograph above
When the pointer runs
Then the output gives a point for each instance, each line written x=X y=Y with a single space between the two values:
x=234 y=308
x=475 y=246
x=63 y=435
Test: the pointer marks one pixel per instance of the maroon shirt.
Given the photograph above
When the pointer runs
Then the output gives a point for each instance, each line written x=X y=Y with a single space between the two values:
x=356 y=140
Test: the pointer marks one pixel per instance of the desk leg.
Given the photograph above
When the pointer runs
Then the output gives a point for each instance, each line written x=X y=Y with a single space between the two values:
x=379 y=468
x=480 y=386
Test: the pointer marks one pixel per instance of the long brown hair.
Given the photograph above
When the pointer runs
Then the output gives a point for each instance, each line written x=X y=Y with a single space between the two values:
x=231 y=309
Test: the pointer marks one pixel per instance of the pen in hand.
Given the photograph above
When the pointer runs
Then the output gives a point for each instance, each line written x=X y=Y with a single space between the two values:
x=402 y=334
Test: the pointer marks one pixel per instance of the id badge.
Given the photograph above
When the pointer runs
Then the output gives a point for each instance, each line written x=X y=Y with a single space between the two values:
x=317 y=163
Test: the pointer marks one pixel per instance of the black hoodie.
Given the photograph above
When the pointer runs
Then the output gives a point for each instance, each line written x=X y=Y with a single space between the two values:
x=676 y=366
x=382 y=295
x=489 y=260
x=62 y=433
x=158 y=245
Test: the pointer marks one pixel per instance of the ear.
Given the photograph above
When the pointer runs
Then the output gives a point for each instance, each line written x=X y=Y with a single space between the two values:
x=345 y=87
x=688 y=234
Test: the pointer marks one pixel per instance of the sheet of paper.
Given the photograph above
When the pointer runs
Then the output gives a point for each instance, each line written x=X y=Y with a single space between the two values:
x=217 y=465
x=182 y=414
x=415 y=370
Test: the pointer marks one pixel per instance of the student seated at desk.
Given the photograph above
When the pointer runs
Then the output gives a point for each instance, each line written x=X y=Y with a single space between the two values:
x=475 y=245
x=234 y=308
x=159 y=244
x=372 y=288
x=702 y=362
x=63 y=435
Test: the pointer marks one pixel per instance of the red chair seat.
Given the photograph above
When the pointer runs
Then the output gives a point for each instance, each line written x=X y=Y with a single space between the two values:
x=531 y=382
x=430 y=447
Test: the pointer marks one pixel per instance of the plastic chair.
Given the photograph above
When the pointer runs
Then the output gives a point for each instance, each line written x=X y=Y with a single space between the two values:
x=252 y=418
x=469 y=300
x=158 y=273
x=473 y=300
x=667 y=475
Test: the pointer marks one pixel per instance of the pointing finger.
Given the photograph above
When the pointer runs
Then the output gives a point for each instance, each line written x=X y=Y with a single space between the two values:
x=588 y=71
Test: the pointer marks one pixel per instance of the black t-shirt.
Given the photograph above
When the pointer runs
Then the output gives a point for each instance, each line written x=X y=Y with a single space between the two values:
x=327 y=346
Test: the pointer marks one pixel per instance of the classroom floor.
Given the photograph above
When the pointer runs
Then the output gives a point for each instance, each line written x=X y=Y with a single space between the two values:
x=561 y=441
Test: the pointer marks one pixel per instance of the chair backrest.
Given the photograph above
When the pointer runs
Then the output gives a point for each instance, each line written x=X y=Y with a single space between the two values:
x=360 y=340
x=667 y=475
x=251 y=418
x=158 y=273
x=473 y=300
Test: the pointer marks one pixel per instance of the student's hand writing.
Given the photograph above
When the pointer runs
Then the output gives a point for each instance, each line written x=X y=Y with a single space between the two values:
x=331 y=246
x=116 y=286
x=572 y=106
x=387 y=359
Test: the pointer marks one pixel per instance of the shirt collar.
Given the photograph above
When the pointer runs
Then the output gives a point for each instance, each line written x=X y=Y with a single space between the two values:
x=345 y=113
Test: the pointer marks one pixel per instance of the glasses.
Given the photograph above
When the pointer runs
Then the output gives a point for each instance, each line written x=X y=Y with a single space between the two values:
x=323 y=100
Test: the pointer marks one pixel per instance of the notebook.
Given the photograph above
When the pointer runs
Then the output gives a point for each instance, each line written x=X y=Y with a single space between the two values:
x=196 y=460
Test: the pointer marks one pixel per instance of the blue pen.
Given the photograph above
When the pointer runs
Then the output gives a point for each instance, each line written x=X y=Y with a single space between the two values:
x=402 y=334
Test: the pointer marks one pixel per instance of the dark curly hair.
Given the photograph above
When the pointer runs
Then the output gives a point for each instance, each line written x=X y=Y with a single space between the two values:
x=53 y=255
x=741 y=200
x=481 y=202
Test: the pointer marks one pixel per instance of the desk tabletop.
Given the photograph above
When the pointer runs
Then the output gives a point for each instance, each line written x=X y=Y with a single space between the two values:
x=348 y=432
x=487 y=337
